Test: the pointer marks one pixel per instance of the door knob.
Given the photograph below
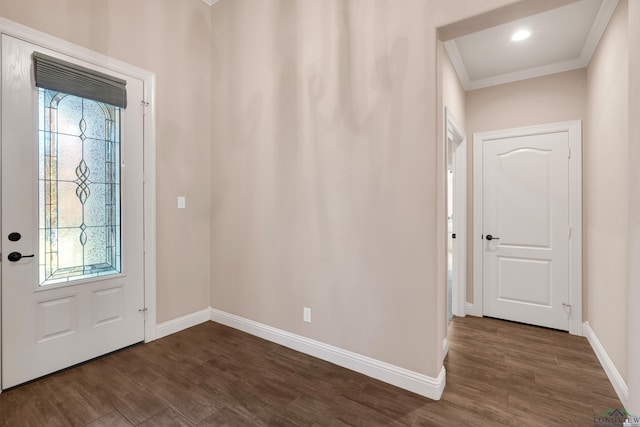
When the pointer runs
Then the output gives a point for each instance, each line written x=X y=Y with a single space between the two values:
x=17 y=256
x=490 y=237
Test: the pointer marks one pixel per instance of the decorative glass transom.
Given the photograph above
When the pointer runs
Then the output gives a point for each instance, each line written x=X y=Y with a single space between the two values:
x=79 y=188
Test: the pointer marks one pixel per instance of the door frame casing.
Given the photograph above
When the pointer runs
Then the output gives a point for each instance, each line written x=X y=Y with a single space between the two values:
x=148 y=78
x=459 y=165
x=574 y=129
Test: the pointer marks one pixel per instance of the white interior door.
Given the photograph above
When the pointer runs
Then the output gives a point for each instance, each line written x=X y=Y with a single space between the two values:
x=525 y=188
x=79 y=211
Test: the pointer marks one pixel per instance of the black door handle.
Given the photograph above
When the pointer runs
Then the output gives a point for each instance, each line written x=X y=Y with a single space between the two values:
x=490 y=237
x=17 y=256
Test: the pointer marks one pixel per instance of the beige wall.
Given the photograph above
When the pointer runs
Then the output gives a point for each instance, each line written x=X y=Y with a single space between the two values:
x=172 y=39
x=554 y=98
x=547 y=99
x=327 y=170
x=606 y=189
x=633 y=357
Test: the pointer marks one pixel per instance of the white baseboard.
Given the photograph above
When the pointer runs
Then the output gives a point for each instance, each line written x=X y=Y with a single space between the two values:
x=403 y=378
x=400 y=377
x=181 y=323
x=610 y=369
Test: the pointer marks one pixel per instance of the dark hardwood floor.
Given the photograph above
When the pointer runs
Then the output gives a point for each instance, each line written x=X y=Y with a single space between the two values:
x=498 y=373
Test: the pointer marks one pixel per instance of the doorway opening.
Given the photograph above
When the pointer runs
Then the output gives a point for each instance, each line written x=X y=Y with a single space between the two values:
x=456 y=154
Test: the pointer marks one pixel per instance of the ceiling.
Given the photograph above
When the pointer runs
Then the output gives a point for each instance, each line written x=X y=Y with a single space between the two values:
x=561 y=39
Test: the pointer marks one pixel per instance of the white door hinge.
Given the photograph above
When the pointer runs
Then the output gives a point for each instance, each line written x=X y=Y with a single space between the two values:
x=144 y=103
x=569 y=231
x=567 y=309
x=569 y=152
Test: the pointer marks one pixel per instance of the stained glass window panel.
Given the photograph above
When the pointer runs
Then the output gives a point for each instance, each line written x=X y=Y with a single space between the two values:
x=79 y=186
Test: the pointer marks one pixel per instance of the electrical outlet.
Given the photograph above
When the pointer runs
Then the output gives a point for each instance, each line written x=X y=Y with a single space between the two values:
x=306 y=315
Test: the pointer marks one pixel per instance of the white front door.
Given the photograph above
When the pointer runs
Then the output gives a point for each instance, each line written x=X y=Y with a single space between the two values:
x=72 y=221
x=525 y=196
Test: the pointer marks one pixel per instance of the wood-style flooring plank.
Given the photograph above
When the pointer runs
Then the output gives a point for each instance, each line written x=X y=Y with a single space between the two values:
x=112 y=419
x=168 y=418
x=498 y=374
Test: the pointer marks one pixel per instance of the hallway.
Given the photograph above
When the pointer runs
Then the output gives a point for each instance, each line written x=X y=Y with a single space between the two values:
x=513 y=374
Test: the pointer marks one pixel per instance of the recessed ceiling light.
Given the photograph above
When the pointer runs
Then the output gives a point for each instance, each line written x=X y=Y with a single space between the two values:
x=520 y=35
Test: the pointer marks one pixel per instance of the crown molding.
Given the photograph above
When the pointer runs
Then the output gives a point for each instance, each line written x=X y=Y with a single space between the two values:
x=458 y=64
x=211 y=2
x=591 y=43
x=529 y=73
x=597 y=29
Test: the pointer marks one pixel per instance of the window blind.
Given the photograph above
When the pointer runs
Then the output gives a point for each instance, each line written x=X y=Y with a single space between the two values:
x=61 y=76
